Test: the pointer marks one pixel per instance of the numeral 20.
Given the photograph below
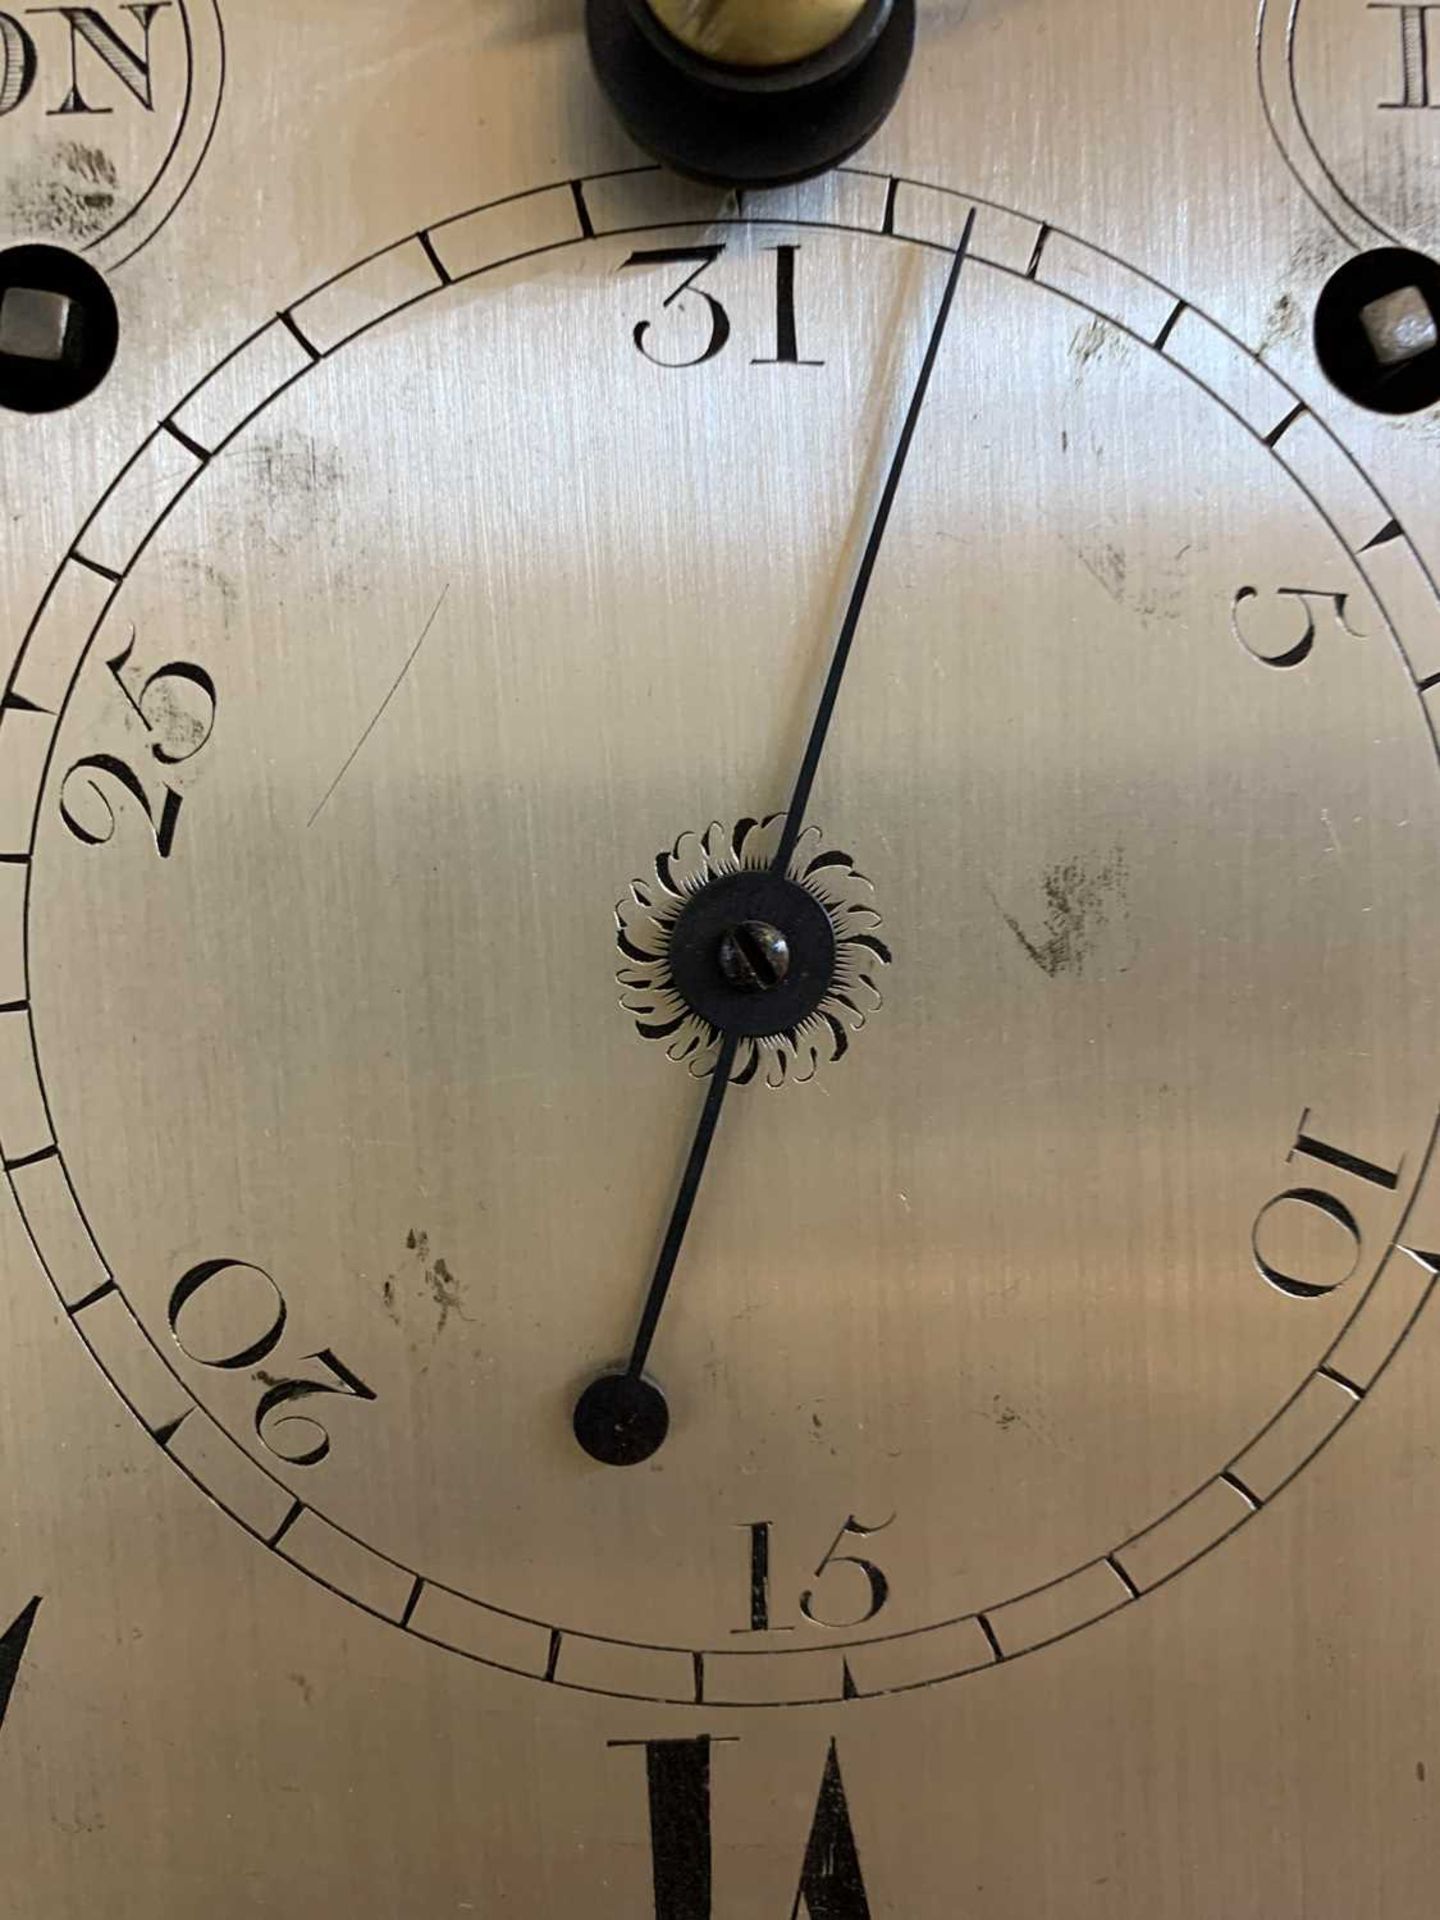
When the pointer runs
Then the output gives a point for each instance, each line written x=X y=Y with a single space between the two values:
x=297 y=1439
x=787 y=344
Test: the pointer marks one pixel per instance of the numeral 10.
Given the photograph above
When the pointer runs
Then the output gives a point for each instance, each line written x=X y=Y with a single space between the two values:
x=1316 y=1202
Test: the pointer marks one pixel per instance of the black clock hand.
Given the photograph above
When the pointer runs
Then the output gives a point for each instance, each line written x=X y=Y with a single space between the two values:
x=684 y=1205
x=622 y=1419
x=820 y=732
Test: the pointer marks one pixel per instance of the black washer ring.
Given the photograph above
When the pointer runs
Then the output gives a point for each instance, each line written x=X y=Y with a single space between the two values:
x=737 y=127
x=694 y=953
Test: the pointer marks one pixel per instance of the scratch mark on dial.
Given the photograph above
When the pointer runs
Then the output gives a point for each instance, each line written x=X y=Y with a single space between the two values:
x=410 y=660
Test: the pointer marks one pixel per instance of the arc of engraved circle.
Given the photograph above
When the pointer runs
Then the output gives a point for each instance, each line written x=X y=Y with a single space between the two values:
x=344 y=308
x=205 y=75
x=1289 y=124
x=201 y=60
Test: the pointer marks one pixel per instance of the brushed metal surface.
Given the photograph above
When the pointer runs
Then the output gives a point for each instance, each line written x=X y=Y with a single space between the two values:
x=1068 y=1335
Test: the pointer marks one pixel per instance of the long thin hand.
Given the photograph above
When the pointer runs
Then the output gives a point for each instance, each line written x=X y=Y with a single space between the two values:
x=684 y=1205
x=849 y=626
x=621 y=1418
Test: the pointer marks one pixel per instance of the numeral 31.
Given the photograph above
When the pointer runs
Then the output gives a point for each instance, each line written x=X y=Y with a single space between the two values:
x=700 y=260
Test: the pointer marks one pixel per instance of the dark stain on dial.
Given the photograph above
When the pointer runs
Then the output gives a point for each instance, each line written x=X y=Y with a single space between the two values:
x=433 y=1277
x=1085 y=904
x=202 y=581
x=1097 y=340
x=1110 y=567
x=443 y=1286
x=291 y=465
x=296 y=483
x=1284 y=320
x=71 y=196
x=429 y=1280
x=1151 y=591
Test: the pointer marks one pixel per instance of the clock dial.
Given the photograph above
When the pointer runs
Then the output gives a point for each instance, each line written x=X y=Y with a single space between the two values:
x=717 y=960
x=371 y=713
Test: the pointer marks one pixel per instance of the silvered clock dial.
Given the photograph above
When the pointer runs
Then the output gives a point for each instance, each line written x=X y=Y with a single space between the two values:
x=717 y=909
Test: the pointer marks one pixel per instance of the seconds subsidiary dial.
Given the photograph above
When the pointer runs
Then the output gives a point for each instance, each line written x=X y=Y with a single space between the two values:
x=500 y=580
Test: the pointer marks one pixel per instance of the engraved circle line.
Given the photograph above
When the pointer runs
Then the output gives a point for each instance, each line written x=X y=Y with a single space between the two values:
x=180 y=128
x=838 y=1651
x=214 y=28
x=1271 y=14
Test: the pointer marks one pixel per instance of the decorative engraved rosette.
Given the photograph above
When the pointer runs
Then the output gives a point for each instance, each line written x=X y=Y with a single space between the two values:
x=648 y=917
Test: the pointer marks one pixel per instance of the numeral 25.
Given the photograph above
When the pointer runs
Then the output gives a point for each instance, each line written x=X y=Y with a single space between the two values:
x=177 y=705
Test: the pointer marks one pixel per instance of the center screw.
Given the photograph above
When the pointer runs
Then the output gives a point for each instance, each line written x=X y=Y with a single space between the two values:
x=754 y=957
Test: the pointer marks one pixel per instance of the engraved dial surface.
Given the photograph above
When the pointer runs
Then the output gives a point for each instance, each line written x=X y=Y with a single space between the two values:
x=1352 y=95
x=106 y=118
x=391 y=662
